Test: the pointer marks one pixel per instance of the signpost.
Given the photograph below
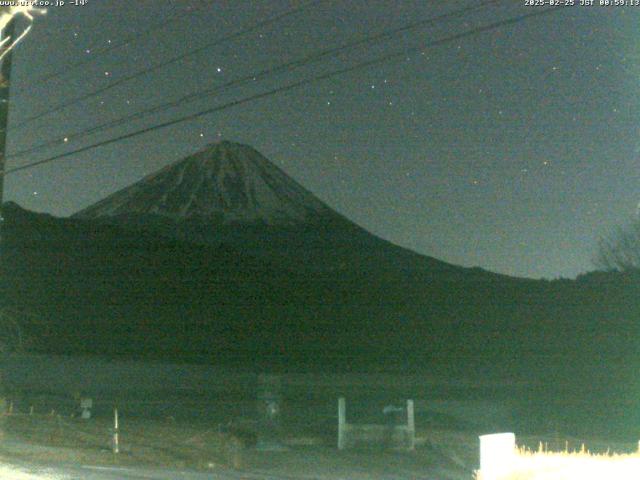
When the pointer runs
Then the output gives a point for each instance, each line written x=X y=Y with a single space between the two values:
x=269 y=409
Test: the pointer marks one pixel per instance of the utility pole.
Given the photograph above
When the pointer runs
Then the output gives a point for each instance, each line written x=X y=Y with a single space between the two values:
x=5 y=83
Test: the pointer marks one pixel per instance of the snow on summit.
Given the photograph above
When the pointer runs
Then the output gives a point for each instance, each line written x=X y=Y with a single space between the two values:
x=226 y=183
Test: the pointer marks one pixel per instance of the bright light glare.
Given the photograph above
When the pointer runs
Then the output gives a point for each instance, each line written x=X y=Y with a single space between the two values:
x=6 y=15
x=8 y=473
x=527 y=465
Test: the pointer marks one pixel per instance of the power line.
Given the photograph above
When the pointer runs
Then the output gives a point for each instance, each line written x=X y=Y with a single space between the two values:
x=166 y=63
x=369 y=40
x=167 y=19
x=291 y=86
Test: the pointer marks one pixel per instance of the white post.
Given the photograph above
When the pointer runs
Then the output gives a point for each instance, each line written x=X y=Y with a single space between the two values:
x=497 y=455
x=86 y=404
x=411 y=425
x=342 y=423
x=269 y=411
x=116 y=440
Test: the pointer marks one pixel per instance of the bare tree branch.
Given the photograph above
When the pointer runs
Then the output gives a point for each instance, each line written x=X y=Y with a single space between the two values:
x=620 y=251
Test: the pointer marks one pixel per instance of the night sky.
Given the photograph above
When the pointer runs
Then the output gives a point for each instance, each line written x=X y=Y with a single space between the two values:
x=512 y=150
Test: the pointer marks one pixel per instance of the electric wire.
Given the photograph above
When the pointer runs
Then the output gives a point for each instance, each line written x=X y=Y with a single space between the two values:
x=167 y=19
x=164 y=64
x=290 y=65
x=291 y=86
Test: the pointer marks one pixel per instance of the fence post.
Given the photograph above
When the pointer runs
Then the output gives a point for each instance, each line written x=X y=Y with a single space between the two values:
x=497 y=455
x=116 y=429
x=411 y=425
x=342 y=423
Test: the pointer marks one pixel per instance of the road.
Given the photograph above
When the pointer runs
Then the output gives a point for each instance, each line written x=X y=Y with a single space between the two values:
x=79 y=472
x=302 y=463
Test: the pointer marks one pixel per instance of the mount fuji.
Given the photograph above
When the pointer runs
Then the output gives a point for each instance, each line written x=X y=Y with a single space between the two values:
x=226 y=183
x=229 y=193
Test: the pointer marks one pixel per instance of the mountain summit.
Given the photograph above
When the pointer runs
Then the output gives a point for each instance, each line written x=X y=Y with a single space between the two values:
x=230 y=194
x=225 y=183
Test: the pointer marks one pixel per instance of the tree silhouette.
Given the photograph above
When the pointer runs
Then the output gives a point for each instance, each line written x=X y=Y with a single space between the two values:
x=20 y=330
x=620 y=251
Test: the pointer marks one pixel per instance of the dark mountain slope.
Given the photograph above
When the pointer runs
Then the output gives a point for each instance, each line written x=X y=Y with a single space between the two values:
x=104 y=289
